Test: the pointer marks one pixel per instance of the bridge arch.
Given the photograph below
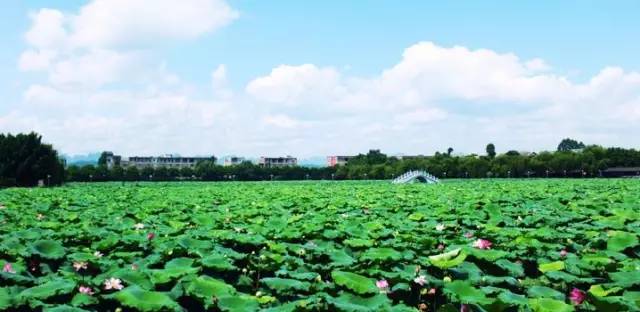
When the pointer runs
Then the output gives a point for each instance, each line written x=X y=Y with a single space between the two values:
x=416 y=176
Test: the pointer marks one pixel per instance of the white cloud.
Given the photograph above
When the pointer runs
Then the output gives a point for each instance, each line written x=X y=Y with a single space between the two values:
x=107 y=89
x=48 y=29
x=95 y=68
x=108 y=23
x=35 y=60
x=281 y=121
x=220 y=84
x=293 y=85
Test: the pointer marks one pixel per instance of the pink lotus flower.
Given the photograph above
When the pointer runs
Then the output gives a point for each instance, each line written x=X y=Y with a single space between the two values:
x=113 y=283
x=8 y=268
x=80 y=265
x=150 y=236
x=482 y=244
x=432 y=291
x=383 y=285
x=85 y=290
x=577 y=296
x=441 y=247
x=464 y=308
x=468 y=235
x=420 y=280
x=563 y=253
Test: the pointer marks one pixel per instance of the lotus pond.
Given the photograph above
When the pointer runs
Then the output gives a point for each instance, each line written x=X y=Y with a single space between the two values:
x=483 y=245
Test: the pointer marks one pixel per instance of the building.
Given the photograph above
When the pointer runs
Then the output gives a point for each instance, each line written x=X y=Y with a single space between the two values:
x=112 y=160
x=333 y=161
x=232 y=161
x=167 y=161
x=618 y=172
x=278 y=161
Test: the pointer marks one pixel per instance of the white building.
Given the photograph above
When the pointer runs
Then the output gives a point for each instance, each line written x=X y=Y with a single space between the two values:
x=168 y=161
x=278 y=161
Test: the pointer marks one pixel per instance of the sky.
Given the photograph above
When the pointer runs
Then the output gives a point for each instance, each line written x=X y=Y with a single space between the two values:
x=316 y=78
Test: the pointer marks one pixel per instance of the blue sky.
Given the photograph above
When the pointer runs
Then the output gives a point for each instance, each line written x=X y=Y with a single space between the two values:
x=349 y=45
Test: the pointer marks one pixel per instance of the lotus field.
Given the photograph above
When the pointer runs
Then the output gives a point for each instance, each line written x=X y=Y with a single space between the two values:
x=472 y=245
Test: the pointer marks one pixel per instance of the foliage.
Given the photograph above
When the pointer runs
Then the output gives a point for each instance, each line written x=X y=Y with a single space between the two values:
x=375 y=165
x=24 y=160
x=322 y=246
x=569 y=145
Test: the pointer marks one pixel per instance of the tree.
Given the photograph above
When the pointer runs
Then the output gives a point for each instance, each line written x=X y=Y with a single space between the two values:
x=491 y=150
x=24 y=160
x=449 y=151
x=569 y=144
x=102 y=161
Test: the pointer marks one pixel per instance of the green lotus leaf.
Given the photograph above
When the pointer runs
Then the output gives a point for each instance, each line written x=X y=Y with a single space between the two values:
x=463 y=292
x=189 y=243
x=416 y=216
x=512 y=299
x=626 y=279
x=486 y=254
x=381 y=254
x=48 y=249
x=134 y=278
x=6 y=296
x=285 y=284
x=448 y=259
x=172 y=270
x=340 y=258
x=80 y=300
x=63 y=308
x=218 y=262
x=205 y=288
x=512 y=268
x=544 y=292
x=351 y=303
x=632 y=296
x=242 y=303
x=354 y=282
x=144 y=300
x=619 y=241
x=551 y=266
x=47 y=290
x=549 y=305
x=599 y=291
x=358 y=242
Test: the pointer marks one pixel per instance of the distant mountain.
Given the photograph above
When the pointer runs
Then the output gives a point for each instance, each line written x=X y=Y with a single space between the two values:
x=313 y=162
x=81 y=160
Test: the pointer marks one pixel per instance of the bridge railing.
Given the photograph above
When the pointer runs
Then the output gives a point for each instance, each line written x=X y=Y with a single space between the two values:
x=413 y=174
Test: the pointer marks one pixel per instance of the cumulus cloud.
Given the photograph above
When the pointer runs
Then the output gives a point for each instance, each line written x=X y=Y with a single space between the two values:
x=471 y=95
x=293 y=85
x=105 y=88
x=107 y=23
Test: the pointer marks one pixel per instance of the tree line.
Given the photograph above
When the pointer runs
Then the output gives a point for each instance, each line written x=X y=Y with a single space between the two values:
x=25 y=161
x=587 y=161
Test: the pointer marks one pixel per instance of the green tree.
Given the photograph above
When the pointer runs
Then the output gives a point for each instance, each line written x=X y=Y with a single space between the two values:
x=102 y=161
x=25 y=160
x=491 y=150
x=569 y=145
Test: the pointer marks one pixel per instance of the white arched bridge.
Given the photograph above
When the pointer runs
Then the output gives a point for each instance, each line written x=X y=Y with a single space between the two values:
x=415 y=176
